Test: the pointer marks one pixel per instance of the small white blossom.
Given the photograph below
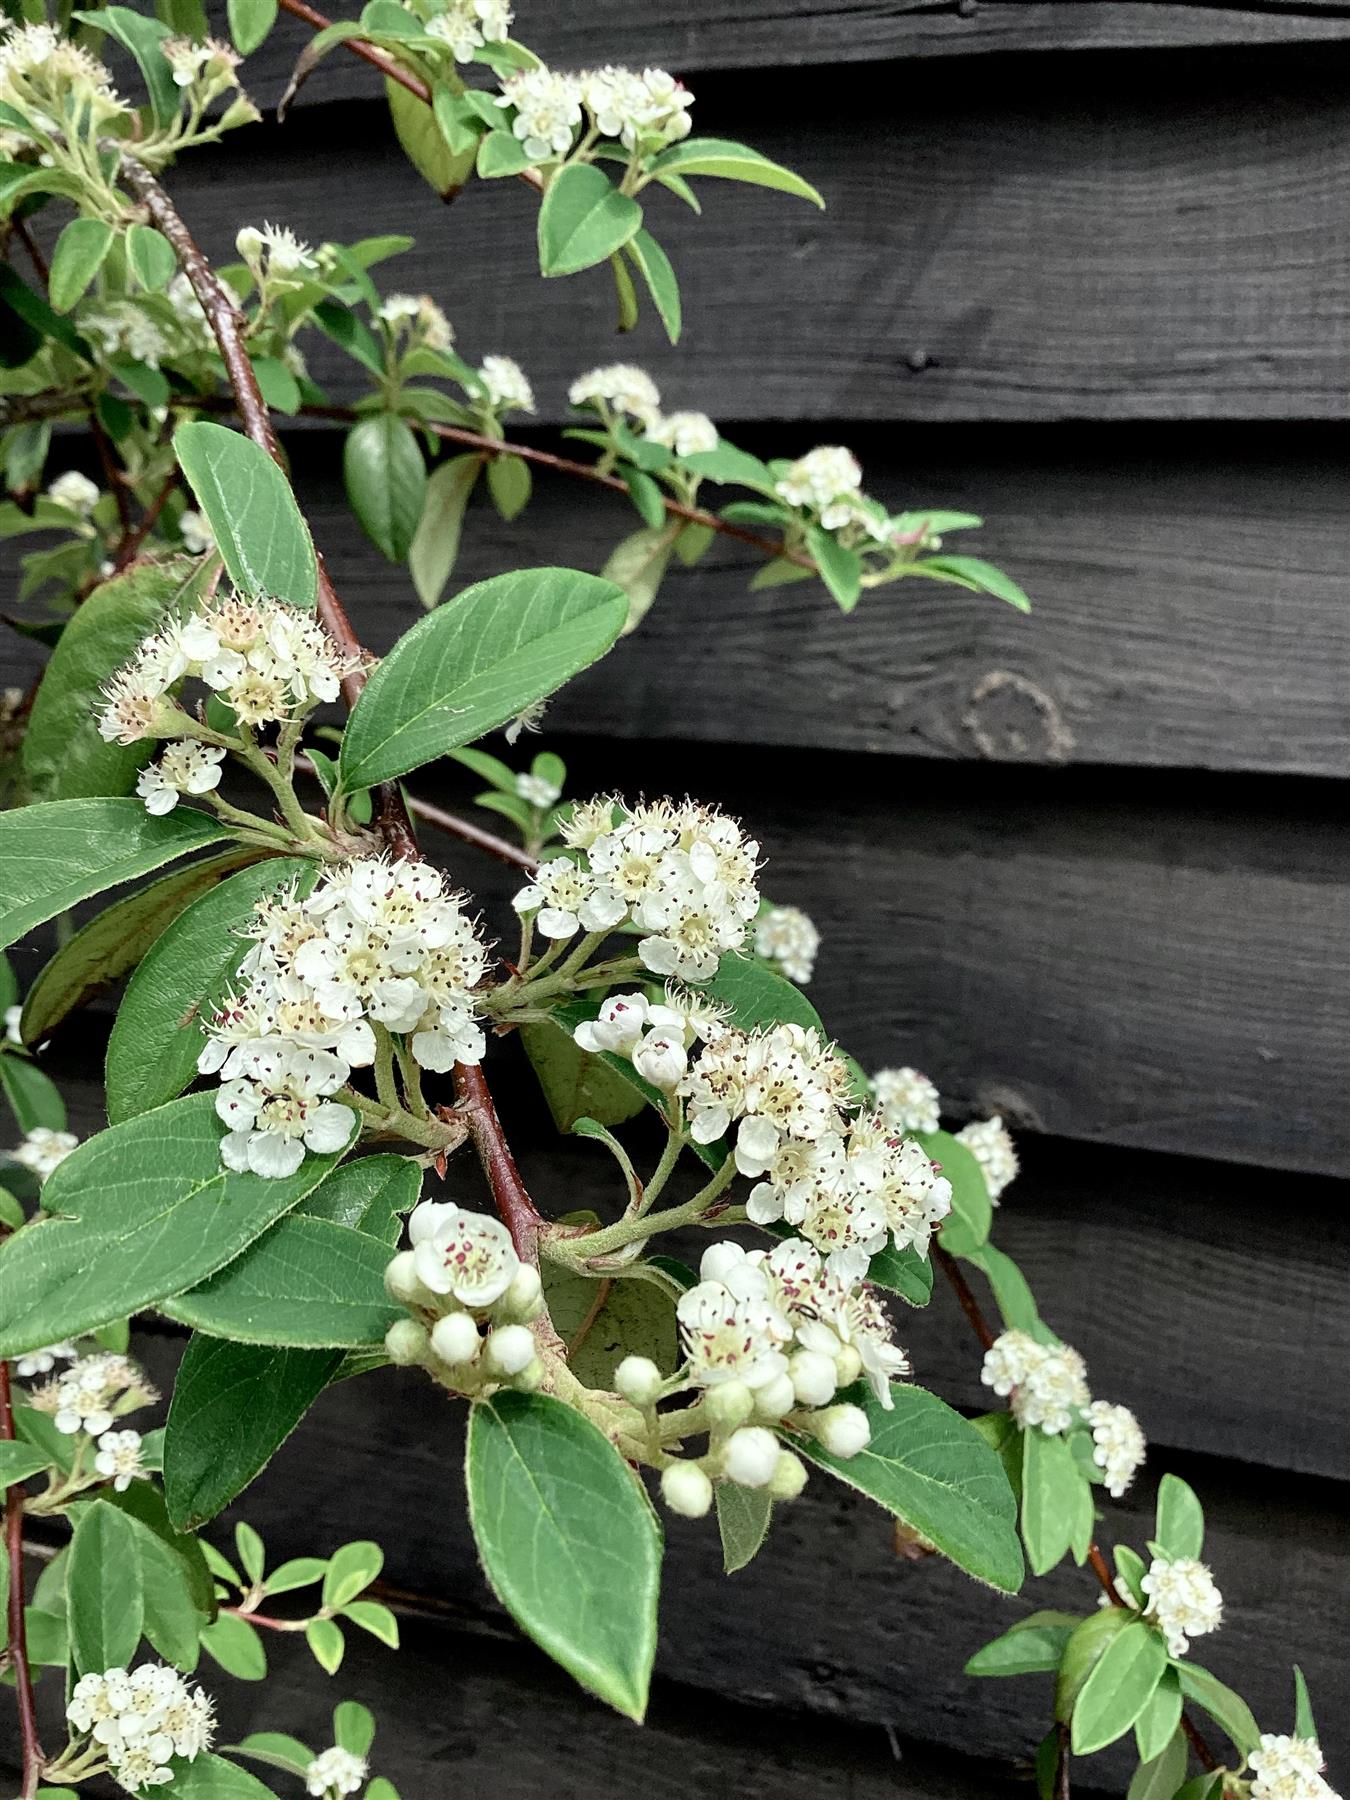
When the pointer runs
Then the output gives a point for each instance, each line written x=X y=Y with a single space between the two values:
x=43 y=1149
x=335 y=1771
x=536 y=791
x=1119 y=1445
x=650 y=108
x=786 y=936
x=548 y=111
x=13 y=1014
x=622 y=386
x=196 y=534
x=1047 y=1382
x=508 y=386
x=1288 y=1768
x=908 y=1101
x=93 y=1392
x=274 y=250
x=42 y=1362
x=279 y=1106
x=463 y=1254
x=989 y=1141
x=75 y=491
x=142 y=1720
x=119 y=1458
x=821 y=476
x=124 y=328
x=1183 y=1599
x=686 y=433
x=184 y=768
x=567 y=898
x=466 y=25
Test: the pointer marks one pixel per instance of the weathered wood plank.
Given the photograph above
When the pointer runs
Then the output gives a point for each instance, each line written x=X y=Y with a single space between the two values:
x=1161 y=250
x=825 y=1620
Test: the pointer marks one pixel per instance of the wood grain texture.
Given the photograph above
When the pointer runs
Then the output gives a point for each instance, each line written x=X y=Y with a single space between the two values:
x=1162 y=248
x=825 y=1621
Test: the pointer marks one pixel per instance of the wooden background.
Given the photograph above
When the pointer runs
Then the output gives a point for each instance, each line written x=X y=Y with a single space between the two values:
x=1085 y=269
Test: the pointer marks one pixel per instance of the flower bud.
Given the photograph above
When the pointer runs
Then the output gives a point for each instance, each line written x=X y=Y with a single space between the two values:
x=751 y=1456
x=813 y=1378
x=686 y=1490
x=249 y=243
x=523 y=1298
x=406 y=1343
x=531 y=1377
x=775 y=1399
x=789 y=1477
x=843 y=1430
x=638 y=1379
x=510 y=1348
x=847 y=1366
x=660 y=1058
x=455 y=1339
x=401 y=1283
x=728 y=1404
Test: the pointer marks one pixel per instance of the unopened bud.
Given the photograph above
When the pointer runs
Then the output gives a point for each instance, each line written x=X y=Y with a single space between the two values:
x=789 y=1477
x=847 y=1366
x=531 y=1377
x=843 y=1430
x=751 y=1456
x=525 y=1295
x=775 y=1399
x=729 y=1404
x=455 y=1339
x=814 y=1378
x=638 y=1379
x=510 y=1348
x=406 y=1343
x=660 y=1058
x=686 y=1490
x=400 y=1280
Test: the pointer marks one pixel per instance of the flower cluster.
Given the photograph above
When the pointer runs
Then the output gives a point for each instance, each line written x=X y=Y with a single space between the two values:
x=377 y=944
x=270 y=662
x=471 y=1299
x=682 y=873
x=50 y=80
x=75 y=491
x=184 y=768
x=275 y=256
x=206 y=70
x=142 y=1720
x=93 y=1392
x=686 y=433
x=338 y=1771
x=548 y=110
x=787 y=936
x=120 y=1458
x=419 y=318
x=1048 y=1387
x=1118 y=1444
x=1182 y=1599
x=508 y=386
x=906 y=1099
x=43 y=1361
x=466 y=25
x=643 y=109
x=826 y=483
x=990 y=1143
x=655 y=1036
x=43 y=1149
x=624 y=391
x=1289 y=1768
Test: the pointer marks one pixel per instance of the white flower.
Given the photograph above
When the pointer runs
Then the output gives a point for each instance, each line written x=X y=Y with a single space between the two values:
x=650 y=107
x=123 y=327
x=686 y=433
x=133 y=704
x=660 y=1058
x=75 y=491
x=567 y=898
x=686 y=1490
x=508 y=387
x=335 y=1771
x=90 y=1394
x=43 y=1149
x=536 y=791
x=274 y=250
x=1047 y=1382
x=141 y=1720
x=548 y=111
x=622 y=1020
x=119 y=1458
x=908 y=1101
x=732 y=1331
x=785 y=935
x=42 y=1362
x=280 y=1109
x=184 y=768
x=989 y=1142
x=13 y=1014
x=783 y=1083
x=1119 y=1444
x=42 y=73
x=899 y=1176
x=1288 y=1768
x=622 y=386
x=1183 y=1599
x=466 y=25
x=464 y=1254
x=821 y=476
x=843 y=1430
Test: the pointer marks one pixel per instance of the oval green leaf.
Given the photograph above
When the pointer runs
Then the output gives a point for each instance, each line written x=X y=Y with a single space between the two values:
x=569 y=1541
x=966 y=1227
x=731 y=162
x=252 y=512
x=1119 y=1688
x=583 y=219
x=386 y=482
x=78 y=257
x=33 y=1097
x=103 y=1591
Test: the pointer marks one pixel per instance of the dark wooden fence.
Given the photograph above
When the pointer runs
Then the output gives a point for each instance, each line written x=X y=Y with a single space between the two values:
x=1085 y=269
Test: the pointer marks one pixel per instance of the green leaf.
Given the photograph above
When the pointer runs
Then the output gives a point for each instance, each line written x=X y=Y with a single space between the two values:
x=371 y=1616
x=11 y=1213
x=250 y=23
x=1052 y=1488
x=39 y=1430
x=157 y=1035
x=279 y=388
x=1180 y=1520
x=276 y=1749
x=19 y=1461
x=967 y=1225
x=386 y=482
x=353 y=1727
x=638 y=565
x=28 y=320
x=233 y=1407
x=583 y=219
x=499 y=154
x=508 y=479
x=1305 y=1725
x=48 y=1638
x=143 y=37
x=1119 y=1688
x=252 y=512
x=930 y=1467
x=151 y=257
x=172 y=1621
x=730 y=467
x=575 y=1083
x=474 y=663
x=1016 y=1303
x=103 y=1590
x=350 y=1571
x=973 y=573
x=731 y=162
x=57 y=854
x=435 y=546
x=652 y=263
x=209 y=1777
x=423 y=143
x=342 y=325
x=140 y=1212
x=78 y=257
x=115 y=940
x=1159 y=1724
x=1159 y=1777
x=1087 y=1644
x=1131 y=1569
x=1228 y=1710
x=743 y=1516
x=306 y=1283
x=600 y=1328
x=840 y=568
x=459 y=123
x=568 y=1539
x=646 y=498
x=63 y=754
x=300 y=1571
x=33 y=1097
x=758 y=996
x=370 y=1195
x=236 y=1646
x=251 y=1551
x=326 y=1644
x=903 y=1272
x=1033 y=1646
x=1202 y=1787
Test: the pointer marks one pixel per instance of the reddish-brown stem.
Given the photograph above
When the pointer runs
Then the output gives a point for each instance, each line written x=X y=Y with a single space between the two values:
x=263 y=1619
x=514 y=1205
x=133 y=538
x=970 y=1306
x=469 y=833
x=367 y=52
x=18 y=1632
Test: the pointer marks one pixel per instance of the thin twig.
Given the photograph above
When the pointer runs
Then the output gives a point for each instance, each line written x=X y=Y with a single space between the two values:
x=514 y=1205
x=135 y=536
x=469 y=833
x=33 y=1757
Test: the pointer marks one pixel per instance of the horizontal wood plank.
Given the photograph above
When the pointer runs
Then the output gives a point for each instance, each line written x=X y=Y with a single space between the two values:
x=1167 y=249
